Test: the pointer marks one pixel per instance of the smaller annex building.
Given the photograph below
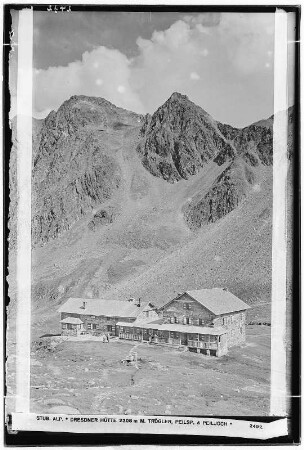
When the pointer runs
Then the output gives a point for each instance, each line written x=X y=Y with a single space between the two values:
x=206 y=321
x=97 y=316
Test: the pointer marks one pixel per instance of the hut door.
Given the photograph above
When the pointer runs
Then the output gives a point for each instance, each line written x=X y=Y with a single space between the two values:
x=183 y=339
x=145 y=335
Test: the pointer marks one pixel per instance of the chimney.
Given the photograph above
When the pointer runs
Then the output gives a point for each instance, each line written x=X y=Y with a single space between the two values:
x=84 y=305
x=138 y=303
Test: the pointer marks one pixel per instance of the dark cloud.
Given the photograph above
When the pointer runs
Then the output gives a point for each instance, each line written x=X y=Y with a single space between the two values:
x=64 y=37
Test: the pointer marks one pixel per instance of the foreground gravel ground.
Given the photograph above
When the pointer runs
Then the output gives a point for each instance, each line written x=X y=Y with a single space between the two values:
x=88 y=377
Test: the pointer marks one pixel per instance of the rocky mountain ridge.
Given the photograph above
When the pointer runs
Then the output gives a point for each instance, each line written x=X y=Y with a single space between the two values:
x=180 y=138
x=77 y=170
x=107 y=225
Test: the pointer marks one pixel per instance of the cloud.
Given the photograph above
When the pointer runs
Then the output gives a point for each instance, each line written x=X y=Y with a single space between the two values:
x=165 y=62
x=248 y=39
x=226 y=56
x=102 y=72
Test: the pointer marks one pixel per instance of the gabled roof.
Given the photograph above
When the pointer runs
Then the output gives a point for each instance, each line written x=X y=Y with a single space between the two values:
x=73 y=320
x=218 y=300
x=99 y=307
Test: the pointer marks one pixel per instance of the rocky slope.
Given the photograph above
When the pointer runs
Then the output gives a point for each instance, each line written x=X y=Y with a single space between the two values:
x=77 y=169
x=73 y=166
x=108 y=219
x=127 y=206
x=179 y=139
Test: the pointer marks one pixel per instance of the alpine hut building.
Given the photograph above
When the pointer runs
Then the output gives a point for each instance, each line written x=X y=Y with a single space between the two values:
x=97 y=316
x=207 y=321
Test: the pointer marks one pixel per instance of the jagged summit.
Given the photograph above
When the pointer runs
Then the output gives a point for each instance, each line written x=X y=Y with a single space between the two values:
x=183 y=103
x=179 y=139
x=177 y=96
x=77 y=165
x=98 y=101
x=81 y=111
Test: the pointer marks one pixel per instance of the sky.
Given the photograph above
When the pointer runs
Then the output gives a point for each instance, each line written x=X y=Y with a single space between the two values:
x=222 y=61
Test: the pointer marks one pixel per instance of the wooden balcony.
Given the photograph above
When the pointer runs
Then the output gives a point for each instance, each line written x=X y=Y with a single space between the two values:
x=204 y=345
x=130 y=336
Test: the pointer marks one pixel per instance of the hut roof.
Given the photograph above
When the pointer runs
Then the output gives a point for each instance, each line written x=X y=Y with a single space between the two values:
x=217 y=300
x=73 y=320
x=99 y=307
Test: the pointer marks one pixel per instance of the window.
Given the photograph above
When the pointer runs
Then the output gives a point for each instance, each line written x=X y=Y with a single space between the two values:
x=176 y=319
x=203 y=337
x=172 y=320
x=91 y=326
x=174 y=335
x=186 y=321
x=200 y=321
x=187 y=306
x=64 y=326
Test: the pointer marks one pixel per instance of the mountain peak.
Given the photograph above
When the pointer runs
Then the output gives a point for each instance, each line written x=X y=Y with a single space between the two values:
x=177 y=96
x=180 y=139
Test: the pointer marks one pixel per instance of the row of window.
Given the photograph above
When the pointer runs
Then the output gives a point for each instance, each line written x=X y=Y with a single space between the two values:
x=96 y=317
x=186 y=320
x=94 y=326
x=228 y=320
x=90 y=326
x=187 y=306
x=69 y=326
x=171 y=334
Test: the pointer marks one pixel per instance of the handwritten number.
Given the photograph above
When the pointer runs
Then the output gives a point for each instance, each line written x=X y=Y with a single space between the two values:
x=56 y=9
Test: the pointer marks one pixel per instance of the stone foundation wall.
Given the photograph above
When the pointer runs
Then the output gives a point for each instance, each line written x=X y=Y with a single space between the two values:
x=235 y=325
